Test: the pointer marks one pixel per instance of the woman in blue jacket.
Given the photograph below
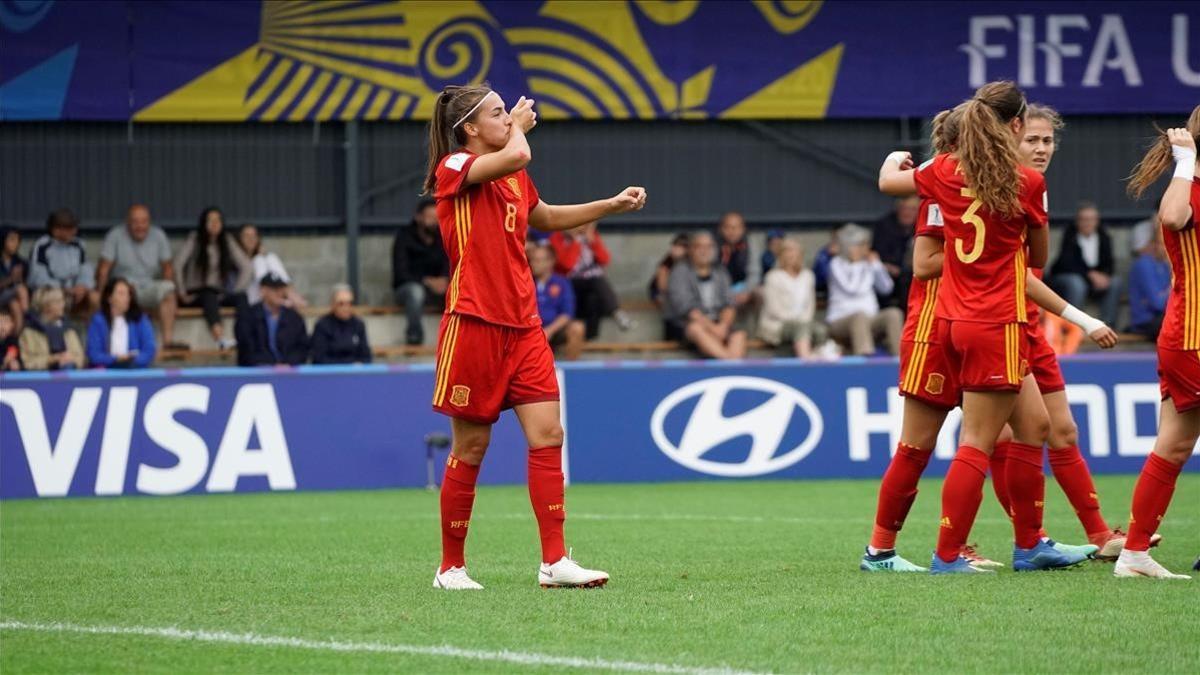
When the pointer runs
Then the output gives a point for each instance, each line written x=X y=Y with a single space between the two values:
x=120 y=335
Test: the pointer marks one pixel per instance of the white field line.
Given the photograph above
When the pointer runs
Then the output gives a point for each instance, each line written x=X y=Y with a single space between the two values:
x=443 y=651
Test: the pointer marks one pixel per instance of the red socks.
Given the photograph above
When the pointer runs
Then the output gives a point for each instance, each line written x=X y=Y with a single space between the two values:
x=1151 y=496
x=546 y=496
x=897 y=492
x=999 y=476
x=1073 y=477
x=1026 y=492
x=961 y=496
x=457 y=498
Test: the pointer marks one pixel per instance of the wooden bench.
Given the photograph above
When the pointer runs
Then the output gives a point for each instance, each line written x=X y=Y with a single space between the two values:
x=360 y=310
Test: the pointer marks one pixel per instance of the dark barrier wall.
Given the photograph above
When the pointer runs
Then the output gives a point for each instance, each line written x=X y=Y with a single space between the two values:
x=688 y=59
x=225 y=430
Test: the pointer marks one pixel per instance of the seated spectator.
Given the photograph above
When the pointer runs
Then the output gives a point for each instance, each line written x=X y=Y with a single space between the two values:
x=10 y=348
x=211 y=272
x=699 y=308
x=662 y=273
x=821 y=262
x=420 y=269
x=581 y=256
x=856 y=280
x=268 y=333
x=771 y=255
x=733 y=252
x=58 y=260
x=891 y=238
x=47 y=343
x=139 y=252
x=266 y=262
x=14 y=295
x=790 y=302
x=1084 y=268
x=1149 y=287
x=339 y=336
x=120 y=335
x=556 y=305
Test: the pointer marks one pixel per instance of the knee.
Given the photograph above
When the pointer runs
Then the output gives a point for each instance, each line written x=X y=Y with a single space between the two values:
x=1035 y=430
x=1176 y=450
x=546 y=435
x=471 y=448
x=1063 y=433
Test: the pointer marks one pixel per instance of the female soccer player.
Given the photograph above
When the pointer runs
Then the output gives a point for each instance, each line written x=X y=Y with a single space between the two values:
x=1178 y=344
x=492 y=353
x=992 y=208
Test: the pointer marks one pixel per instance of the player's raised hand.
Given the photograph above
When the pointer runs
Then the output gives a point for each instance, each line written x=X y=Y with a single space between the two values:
x=902 y=159
x=1104 y=336
x=1182 y=138
x=523 y=115
x=629 y=199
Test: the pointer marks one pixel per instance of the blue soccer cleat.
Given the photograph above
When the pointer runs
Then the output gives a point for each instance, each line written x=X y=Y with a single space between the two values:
x=960 y=566
x=887 y=561
x=1043 y=557
x=1088 y=551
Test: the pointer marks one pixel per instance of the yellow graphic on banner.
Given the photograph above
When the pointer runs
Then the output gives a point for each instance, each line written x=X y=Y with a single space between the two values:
x=346 y=59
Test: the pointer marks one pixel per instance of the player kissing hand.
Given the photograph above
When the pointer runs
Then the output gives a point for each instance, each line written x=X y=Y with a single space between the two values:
x=523 y=115
x=629 y=199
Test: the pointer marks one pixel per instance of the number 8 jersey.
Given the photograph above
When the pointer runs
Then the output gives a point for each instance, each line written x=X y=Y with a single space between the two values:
x=983 y=273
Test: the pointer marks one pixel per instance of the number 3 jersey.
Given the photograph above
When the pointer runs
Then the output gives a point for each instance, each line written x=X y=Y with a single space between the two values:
x=983 y=272
x=483 y=230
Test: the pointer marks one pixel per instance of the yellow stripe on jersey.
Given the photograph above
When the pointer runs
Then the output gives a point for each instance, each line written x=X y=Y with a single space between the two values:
x=925 y=321
x=916 y=366
x=1019 y=263
x=1191 y=257
x=445 y=359
x=1009 y=368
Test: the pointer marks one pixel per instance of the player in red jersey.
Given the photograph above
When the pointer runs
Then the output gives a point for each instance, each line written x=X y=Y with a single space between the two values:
x=492 y=354
x=1178 y=344
x=993 y=209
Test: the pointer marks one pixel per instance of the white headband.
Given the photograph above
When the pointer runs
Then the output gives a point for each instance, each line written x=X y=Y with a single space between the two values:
x=473 y=109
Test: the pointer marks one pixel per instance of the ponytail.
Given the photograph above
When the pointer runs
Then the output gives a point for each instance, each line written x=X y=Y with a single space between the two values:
x=987 y=148
x=444 y=134
x=944 y=130
x=1158 y=158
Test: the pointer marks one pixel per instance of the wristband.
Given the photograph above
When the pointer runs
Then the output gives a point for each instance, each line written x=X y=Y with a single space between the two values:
x=1185 y=162
x=1088 y=323
x=898 y=157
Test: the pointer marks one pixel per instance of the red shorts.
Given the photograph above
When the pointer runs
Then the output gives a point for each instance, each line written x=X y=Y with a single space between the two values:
x=926 y=376
x=484 y=368
x=986 y=356
x=1043 y=362
x=1179 y=377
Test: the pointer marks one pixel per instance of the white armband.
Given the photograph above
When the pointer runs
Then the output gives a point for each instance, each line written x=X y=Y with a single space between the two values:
x=899 y=156
x=1185 y=162
x=1088 y=323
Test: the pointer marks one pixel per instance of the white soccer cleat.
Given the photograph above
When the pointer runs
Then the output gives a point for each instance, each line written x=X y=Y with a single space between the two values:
x=567 y=573
x=1140 y=564
x=455 y=579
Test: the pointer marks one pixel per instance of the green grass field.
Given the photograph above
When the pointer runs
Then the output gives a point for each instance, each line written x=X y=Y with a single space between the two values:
x=754 y=576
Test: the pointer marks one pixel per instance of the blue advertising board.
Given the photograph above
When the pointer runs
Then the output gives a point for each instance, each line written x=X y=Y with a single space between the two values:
x=326 y=428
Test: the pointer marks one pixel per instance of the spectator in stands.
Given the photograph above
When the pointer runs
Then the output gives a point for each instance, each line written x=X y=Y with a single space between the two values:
x=211 y=272
x=269 y=333
x=1084 y=267
x=581 y=256
x=266 y=262
x=700 y=308
x=120 y=335
x=857 y=278
x=14 y=295
x=10 y=347
x=58 y=260
x=140 y=253
x=47 y=343
x=733 y=252
x=821 y=261
x=556 y=305
x=662 y=273
x=790 y=302
x=420 y=269
x=771 y=255
x=891 y=239
x=1149 y=287
x=339 y=336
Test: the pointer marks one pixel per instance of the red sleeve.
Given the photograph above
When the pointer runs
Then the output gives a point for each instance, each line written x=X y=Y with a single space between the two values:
x=531 y=191
x=1034 y=199
x=600 y=251
x=452 y=174
x=924 y=177
x=929 y=221
x=566 y=252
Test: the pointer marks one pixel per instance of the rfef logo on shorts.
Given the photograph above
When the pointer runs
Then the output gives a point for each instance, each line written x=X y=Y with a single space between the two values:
x=460 y=396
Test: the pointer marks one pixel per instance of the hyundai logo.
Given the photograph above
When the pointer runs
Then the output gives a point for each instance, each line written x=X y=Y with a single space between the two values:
x=708 y=427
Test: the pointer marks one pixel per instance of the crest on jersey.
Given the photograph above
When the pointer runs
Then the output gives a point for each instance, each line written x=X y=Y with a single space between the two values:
x=460 y=396
x=934 y=383
x=514 y=186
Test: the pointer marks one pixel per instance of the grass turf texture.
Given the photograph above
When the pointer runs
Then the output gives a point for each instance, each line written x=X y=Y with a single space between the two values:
x=750 y=575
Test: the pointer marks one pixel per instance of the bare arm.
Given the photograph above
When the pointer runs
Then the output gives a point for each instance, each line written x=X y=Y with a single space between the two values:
x=928 y=253
x=896 y=175
x=1045 y=297
x=551 y=217
x=1175 y=210
x=1039 y=247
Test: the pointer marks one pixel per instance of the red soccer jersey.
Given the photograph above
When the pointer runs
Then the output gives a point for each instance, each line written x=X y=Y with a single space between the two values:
x=920 y=325
x=983 y=274
x=1181 y=322
x=483 y=229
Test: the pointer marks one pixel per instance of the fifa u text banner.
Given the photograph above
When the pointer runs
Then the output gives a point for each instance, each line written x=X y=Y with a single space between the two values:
x=615 y=59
